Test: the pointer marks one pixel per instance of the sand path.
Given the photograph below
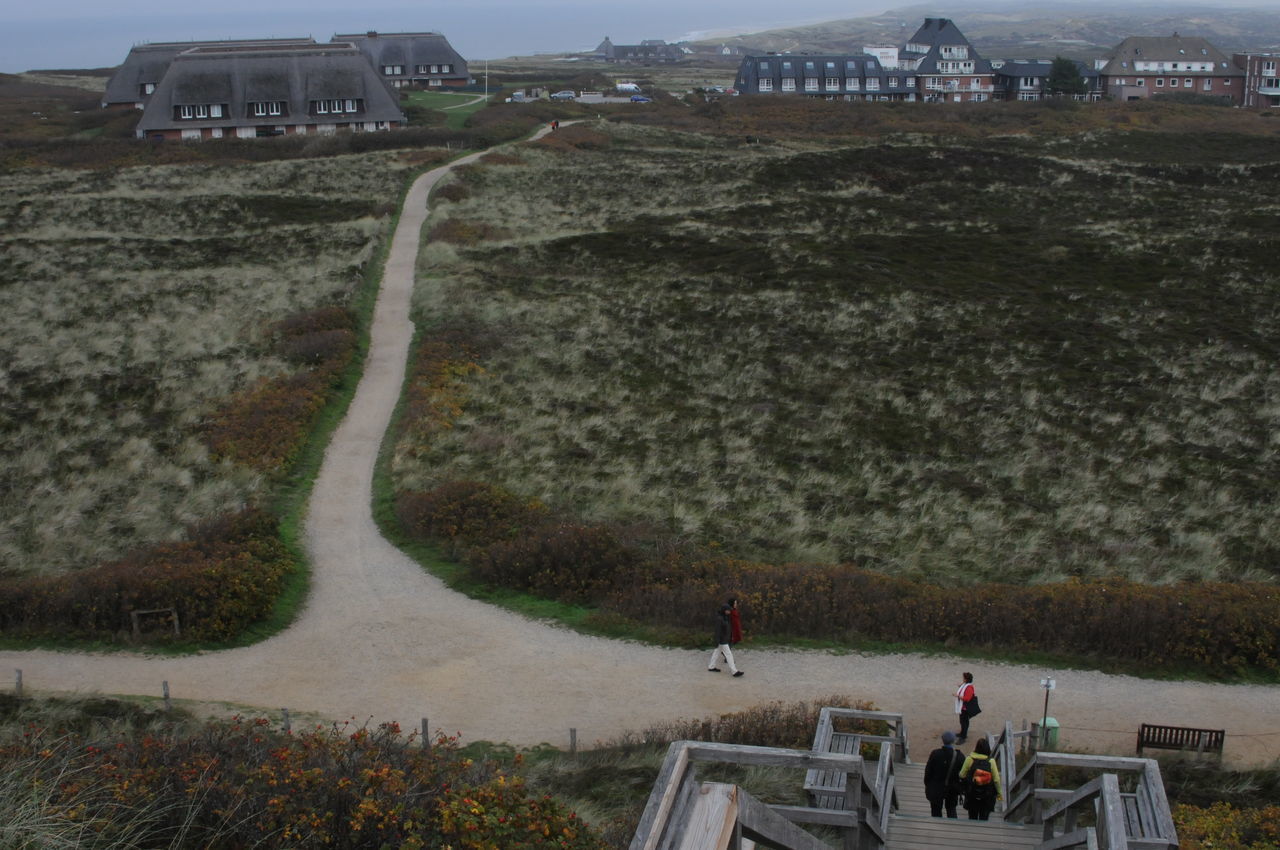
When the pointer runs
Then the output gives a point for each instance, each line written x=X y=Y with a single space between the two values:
x=381 y=639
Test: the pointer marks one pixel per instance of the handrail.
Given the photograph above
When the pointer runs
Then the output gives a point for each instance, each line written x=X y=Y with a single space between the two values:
x=896 y=721
x=1141 y=819
x=669 y=800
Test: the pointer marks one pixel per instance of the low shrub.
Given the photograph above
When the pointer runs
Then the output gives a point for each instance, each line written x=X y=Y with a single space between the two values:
x=222 y=579
x=243 y=784
x=1221 y=826
x=775 y=724
x=266 y=426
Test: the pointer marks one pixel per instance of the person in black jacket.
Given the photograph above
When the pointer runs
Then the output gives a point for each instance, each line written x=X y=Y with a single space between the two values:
x=724 y=634
x=942 y=777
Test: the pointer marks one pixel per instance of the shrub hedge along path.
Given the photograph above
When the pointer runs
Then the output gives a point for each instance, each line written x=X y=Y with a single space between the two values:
x=380 y=638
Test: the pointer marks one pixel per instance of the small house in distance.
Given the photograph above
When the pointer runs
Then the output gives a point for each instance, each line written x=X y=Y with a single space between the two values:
x=254 y=90
x=136 y=79
x=411 y=58
x=1029 y=80
x=650 y=51
x=1143 y=66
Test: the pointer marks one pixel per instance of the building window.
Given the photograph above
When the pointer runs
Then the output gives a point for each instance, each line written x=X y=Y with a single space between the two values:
x=1028 y=82
x=809 y=66
x=1140 y=82
x=851 y=67
x=215 y=110
x=831 y=68
x=934 y=83
x=148 y=88
x=1269 y=68
x=422 y=69
x=786 y=66
x=263 y=108
x=764 y=69
x=186 y=112
x=811 y=84
x=1159 y=82
x=766 y=84
x=1188 y=84
x=873 y=85
x=788 y=83
x=833 y=83
x=392 y=70
x=1227 y=81
x=893 y=82
x=1208 y=84
x=1028 y=95
x=202 y=110
x=851 y=83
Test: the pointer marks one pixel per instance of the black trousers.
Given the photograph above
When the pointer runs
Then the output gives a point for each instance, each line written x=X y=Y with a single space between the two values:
x=948 y=800
x=964 y=723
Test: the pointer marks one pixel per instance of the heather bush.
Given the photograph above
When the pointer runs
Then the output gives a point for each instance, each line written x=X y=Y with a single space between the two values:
x=242 y=783
x=1221 y=826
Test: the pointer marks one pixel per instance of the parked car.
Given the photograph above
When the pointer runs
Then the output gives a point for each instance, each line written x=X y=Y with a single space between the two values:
x=564 y=95
x=639 y=98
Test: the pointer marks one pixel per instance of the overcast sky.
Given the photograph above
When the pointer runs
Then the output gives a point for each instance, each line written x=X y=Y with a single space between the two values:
x=92 y=34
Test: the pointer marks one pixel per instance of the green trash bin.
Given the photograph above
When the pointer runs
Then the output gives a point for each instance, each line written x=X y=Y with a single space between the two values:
x=1049 y=734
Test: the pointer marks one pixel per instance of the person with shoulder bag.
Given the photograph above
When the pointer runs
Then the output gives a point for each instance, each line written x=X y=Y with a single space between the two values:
x=982 y=782
x=966 y=705
x=942 y=777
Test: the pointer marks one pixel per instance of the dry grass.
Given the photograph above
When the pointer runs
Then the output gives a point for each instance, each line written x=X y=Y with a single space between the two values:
x=1018 y=359
x=131 y=303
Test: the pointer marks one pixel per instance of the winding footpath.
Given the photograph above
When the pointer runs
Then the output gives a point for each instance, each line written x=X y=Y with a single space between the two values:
x=380 y=639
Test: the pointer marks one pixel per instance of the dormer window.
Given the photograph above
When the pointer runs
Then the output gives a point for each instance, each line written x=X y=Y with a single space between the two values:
x=146 y=89
x=392 y=70
x=196 y=111
x=267 y=109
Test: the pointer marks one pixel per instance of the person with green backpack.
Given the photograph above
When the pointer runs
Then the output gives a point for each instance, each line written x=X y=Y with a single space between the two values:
x=982 y=781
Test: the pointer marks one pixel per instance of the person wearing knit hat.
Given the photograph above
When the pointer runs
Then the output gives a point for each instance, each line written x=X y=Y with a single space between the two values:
x=942 y=777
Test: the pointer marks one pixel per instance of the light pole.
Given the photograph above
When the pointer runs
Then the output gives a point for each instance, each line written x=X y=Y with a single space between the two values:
x=1048 y=684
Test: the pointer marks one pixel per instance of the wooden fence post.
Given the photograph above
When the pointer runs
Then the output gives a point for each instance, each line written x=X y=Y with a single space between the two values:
x=573 y=741
x=288 y=725
x=168 y=705
x=17 y=685
x=426 y=736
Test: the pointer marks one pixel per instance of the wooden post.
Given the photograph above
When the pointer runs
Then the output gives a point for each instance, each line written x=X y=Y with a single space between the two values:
x=168 y=705
x=426 y=736
x=573 y=741
x=853 y=805
x=17 y=685
x=288 y=725
x=1023 y=749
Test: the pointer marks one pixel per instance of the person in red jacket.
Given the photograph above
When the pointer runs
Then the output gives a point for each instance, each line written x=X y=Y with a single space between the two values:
x=964 y=697
x=735 y=622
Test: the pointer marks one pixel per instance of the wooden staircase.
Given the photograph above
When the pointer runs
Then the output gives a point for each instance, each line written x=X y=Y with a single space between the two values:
x=912 y=828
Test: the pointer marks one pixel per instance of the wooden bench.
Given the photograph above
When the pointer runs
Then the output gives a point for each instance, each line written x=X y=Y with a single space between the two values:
x=1181 y=738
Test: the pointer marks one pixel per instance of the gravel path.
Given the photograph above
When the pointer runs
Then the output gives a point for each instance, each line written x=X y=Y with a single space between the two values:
x=379 y=638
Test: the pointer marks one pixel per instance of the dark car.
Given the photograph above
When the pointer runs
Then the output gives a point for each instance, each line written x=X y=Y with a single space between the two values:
x=639 y=98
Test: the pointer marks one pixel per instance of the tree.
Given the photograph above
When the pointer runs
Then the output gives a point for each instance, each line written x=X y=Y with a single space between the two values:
x=1065 y=78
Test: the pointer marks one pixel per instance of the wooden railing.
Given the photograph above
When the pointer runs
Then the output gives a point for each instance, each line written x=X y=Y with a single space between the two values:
x=683 y=812
x=1121 y=819
x=1005 y=753
x=825 y=787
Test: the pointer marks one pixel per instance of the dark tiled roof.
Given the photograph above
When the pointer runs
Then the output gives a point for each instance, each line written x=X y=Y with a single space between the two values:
x=1174 y=48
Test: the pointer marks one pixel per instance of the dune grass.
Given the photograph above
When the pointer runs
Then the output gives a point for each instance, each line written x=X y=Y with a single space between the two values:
x=133 y=302
x=1021 y=359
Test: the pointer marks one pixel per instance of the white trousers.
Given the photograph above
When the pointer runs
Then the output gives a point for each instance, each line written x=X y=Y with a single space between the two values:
x=722 y=649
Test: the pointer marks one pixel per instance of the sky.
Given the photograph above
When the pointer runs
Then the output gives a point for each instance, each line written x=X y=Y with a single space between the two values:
x=92 y=34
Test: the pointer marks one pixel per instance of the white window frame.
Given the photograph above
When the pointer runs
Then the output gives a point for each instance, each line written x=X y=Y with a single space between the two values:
x=349 y=105
x=852 y=84
x=811 y=84
x=833 y=83
x=766 y=84
x=1188 y=83
x=1208 y=83
x=148 y=88
x=1159 y=82
x=274 y=107
x=322 y=107
x=788 y=83
x=202 y=110
x=186 y=112
x=259 y=109
x=1140 y=82
x=215 y=110
x=893 y=82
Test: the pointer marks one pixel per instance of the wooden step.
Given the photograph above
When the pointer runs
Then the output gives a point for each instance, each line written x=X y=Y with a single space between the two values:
x=912 y=832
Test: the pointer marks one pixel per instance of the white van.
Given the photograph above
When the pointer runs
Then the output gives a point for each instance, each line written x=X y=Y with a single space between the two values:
x=627 y=88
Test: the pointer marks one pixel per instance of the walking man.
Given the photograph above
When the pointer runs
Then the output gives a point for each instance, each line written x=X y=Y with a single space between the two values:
x=942 y=777
x=724 y=634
